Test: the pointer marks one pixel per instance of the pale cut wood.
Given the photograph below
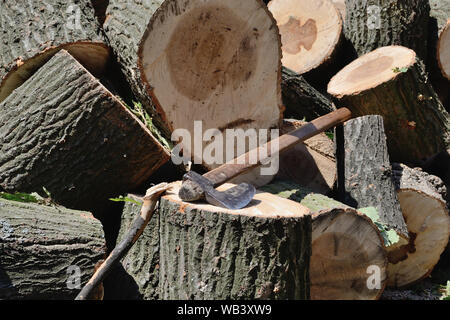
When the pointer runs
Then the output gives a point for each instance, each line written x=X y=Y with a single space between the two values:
x=443 y=51
x=218 y=61
x=345 y=243
x=31 y=32
x=340 y=5
x=391 y=82
x=259 y=252
x=422 y=202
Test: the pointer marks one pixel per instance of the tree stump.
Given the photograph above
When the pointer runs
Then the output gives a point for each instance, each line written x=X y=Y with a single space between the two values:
x=301 y=100
x=346 y=247
x=422 y=202
x=216 y=61
x=368 y=175
x=391 y=82
x=64 y=131
x=44 y=249
x=259 y=252
x=311 y=38
x=377 y=23
x=31 y=32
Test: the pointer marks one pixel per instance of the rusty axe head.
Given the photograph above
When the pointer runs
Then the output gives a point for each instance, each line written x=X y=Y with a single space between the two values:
x=195 y=185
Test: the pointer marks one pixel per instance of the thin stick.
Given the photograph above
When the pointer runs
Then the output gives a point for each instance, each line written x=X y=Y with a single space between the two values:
x=148 y=207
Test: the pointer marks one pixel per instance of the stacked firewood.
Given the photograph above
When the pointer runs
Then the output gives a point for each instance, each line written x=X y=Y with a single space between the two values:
x=94 y=93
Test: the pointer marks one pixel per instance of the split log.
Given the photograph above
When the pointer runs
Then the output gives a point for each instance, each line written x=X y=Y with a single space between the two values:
x=310 y=164
x=368 y=174
x=311 y=36
x=340 y=5
x=142 y=260
x=373 y=24
x=422 y=201
x=301 y=100
x=259 y=252
x=31 y=32
x=44 y=249
x=391 y=82
x=346 y=246
x=443 y=51
x=215 y=61
x=64 y=131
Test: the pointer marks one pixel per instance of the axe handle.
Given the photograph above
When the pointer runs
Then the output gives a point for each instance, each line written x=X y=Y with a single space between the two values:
x=242 y=164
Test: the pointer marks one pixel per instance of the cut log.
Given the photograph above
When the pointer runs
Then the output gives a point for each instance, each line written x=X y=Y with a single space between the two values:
x=218 y=61
x=301 y=100
x=443 y=51
x=46 y=252
x=440 y=10
x=391 y=82
x=142 y=260
x=368 y=173
x=373 y=24
x=311 y=36
x=259 y=252
x=340 y=5
x=422 y=201
x=64 y=131
x=346 y=247
x=310 y=164
x=32 y=31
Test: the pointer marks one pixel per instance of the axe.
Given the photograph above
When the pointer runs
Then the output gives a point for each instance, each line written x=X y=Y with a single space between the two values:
x=196 y=186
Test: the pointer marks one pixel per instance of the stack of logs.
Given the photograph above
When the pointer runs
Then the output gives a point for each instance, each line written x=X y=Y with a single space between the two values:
x=92 y=93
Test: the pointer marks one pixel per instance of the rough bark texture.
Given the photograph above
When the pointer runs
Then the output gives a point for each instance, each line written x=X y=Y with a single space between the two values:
x=216 y=255
x=422 y=201
x=64 y=131
x=125 y=26
x=368 y=175
x=416 y=124
x=344 y=244
x=142 y=261
x=301 y=100
x=378 y=23
x=32 y=31
x=440 y=11
x=39 y=244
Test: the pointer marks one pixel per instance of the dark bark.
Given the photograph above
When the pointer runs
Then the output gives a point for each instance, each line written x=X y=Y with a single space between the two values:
x=368 y=173
x=301 y=100
x=216 y=255
x=100 y=9
x=64 y=131
x=416 y=124
x=39 y=244
x=32 y=31
x=377 y=23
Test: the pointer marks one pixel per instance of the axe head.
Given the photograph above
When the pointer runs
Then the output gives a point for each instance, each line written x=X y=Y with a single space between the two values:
x=234 y=198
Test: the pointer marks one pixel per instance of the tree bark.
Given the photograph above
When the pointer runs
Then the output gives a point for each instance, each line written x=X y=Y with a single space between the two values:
x=210 y=60
x=301 y=100
x=64 y=131
x=31 y=32
x=368 y=174
x=377 y=23
x=422 y=201
x=345 y=243
x=142 y=260
x=440 y=11
x=392 y=82
x=43 y=247
x=259 y=252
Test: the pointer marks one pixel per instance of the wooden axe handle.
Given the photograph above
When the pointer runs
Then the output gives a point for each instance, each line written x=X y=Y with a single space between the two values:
x=242 y=164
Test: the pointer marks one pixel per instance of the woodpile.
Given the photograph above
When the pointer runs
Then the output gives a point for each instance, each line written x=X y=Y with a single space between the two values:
x=347 y=102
